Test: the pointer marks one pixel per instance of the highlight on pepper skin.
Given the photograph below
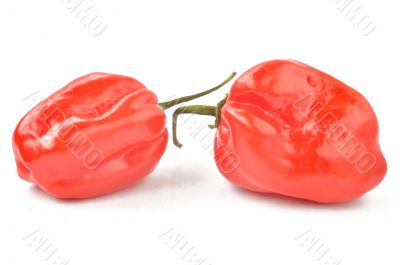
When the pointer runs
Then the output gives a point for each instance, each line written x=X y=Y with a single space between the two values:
x=301 y=133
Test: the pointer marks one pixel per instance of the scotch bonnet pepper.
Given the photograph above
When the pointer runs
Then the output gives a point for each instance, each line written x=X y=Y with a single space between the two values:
x=288 y=128
x=100 y=133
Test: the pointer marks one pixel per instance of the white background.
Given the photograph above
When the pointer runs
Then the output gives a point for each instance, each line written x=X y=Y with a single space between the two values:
x=179 y=47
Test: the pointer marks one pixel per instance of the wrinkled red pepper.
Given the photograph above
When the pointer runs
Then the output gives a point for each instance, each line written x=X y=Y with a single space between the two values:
x=291 y=129
x=99 y=134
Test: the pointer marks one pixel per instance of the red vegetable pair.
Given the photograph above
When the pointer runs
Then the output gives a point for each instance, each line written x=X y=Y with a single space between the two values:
x=284 y=128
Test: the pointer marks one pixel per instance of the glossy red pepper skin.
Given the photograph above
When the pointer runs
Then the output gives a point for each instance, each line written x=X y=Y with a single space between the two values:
x=99 y=134
x=278 y=127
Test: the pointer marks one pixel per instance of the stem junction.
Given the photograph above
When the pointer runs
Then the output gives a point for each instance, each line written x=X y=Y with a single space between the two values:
x=214 y=111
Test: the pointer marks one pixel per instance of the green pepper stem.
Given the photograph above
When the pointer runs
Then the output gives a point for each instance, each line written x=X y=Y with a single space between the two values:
x=214 y=111
x=218 y=112
x=193 y=109
x=168 y=104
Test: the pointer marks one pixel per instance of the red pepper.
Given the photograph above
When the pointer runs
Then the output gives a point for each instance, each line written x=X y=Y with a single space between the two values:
x=99 y=134
x=291 y=129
